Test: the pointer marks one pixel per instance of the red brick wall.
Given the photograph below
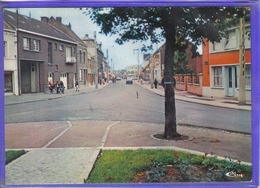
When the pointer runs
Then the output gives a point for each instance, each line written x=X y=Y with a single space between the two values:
x=190 y=86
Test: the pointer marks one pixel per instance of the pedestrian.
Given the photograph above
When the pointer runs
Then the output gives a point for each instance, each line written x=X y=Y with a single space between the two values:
x=57 y=87
x=50 y=87
x=62 y=87
x=77 y=85
x=155 y=83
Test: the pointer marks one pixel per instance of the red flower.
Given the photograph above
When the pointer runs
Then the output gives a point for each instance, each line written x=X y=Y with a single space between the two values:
x=205 y=154
x=171 y=172
x=238 y=161
x=176 y=155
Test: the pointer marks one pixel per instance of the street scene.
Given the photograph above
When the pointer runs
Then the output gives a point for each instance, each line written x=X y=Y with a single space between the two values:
x=68 y=97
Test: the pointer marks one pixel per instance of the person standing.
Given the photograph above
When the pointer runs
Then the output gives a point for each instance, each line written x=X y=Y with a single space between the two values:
x=62 y=87
x=57 y=87
x=77 y=85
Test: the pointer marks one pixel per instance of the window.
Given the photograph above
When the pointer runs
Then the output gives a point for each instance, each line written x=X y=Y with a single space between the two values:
x=68 y=52
x=80 y=74
x=228 y=43
x=36 y=45
x=217 y=77
x=80 y=56
x=5 y=49
x=231 y=41
x=56 y=46
x=84 y=57
x=248 y=76
x=247 y=37
x=61 y=47
x=26 y=43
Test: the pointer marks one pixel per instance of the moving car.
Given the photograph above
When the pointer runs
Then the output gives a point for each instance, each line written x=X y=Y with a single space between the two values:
x=129 y=79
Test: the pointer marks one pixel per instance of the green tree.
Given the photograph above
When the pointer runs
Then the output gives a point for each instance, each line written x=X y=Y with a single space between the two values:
x=181 y=63
x=175 y=25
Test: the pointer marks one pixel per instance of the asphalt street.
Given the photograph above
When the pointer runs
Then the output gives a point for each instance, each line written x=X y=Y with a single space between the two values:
x=65 y=134
x=121 y=102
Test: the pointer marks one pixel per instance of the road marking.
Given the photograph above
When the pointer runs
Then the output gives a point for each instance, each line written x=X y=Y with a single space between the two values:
x=58 y=127
x=22 y=113
x=58 y=136
x=106 y=134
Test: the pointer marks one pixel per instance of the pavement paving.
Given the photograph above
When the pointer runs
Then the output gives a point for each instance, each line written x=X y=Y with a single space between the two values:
x=64 y=152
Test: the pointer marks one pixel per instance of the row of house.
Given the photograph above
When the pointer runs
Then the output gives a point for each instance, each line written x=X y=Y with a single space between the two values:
x=215 y=73
x=39 y=52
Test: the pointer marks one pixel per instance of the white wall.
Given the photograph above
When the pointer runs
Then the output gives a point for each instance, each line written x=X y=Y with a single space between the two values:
x=10 y=60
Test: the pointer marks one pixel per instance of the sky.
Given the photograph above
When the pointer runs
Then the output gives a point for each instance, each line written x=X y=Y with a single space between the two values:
x=119 y=56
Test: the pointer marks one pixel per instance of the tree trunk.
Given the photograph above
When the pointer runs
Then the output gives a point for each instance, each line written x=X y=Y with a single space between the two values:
x=170 y=130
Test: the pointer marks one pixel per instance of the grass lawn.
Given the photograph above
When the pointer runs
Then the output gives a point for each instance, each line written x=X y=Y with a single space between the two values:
x=126 y=166
x=12 y=155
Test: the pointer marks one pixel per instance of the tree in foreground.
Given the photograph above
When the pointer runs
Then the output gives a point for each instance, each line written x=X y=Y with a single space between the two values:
x=177 y=26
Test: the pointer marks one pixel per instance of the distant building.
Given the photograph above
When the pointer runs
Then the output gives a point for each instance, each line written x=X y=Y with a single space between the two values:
x=134 y=69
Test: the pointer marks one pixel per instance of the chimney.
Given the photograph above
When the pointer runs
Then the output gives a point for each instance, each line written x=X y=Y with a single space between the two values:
x=69 y=26
x=59 y=19
x=45 y=19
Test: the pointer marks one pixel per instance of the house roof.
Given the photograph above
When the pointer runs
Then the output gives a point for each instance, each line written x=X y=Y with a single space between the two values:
x=8 y=26
x=66 y=29
x=31 y=25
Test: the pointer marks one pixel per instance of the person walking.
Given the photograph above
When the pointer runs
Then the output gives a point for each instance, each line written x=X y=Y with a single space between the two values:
x=77 y=85
x=155 y=83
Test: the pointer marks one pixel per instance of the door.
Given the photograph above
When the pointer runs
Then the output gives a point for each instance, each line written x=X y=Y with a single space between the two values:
x=64 y=79
x=231 y=80
x=34 y=77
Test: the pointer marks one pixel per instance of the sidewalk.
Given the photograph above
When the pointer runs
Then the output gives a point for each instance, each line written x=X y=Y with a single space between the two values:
x=33 y=97
x=185 y=96
x=65 y=152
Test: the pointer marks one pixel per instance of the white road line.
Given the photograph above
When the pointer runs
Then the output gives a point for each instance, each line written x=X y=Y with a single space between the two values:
x=58 y=127
x=103 y=141
x=22 y=113
x=57 y=137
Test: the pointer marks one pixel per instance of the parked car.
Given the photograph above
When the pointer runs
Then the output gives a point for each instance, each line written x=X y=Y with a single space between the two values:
x=118 y=78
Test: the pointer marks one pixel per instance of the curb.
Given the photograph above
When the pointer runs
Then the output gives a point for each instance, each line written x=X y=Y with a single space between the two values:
x=196 y=100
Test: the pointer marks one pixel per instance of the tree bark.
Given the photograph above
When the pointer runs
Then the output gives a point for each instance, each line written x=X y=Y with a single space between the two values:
x=170 y=130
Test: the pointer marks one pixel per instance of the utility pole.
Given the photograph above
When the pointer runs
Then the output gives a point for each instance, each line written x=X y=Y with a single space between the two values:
x=242 y=80
x=18 y=54
x=138 y=68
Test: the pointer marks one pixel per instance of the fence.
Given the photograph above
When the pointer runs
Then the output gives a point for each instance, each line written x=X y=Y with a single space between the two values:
x=190 y=83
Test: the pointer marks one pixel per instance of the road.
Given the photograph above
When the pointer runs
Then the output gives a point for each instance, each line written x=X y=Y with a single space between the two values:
x=121 y=102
